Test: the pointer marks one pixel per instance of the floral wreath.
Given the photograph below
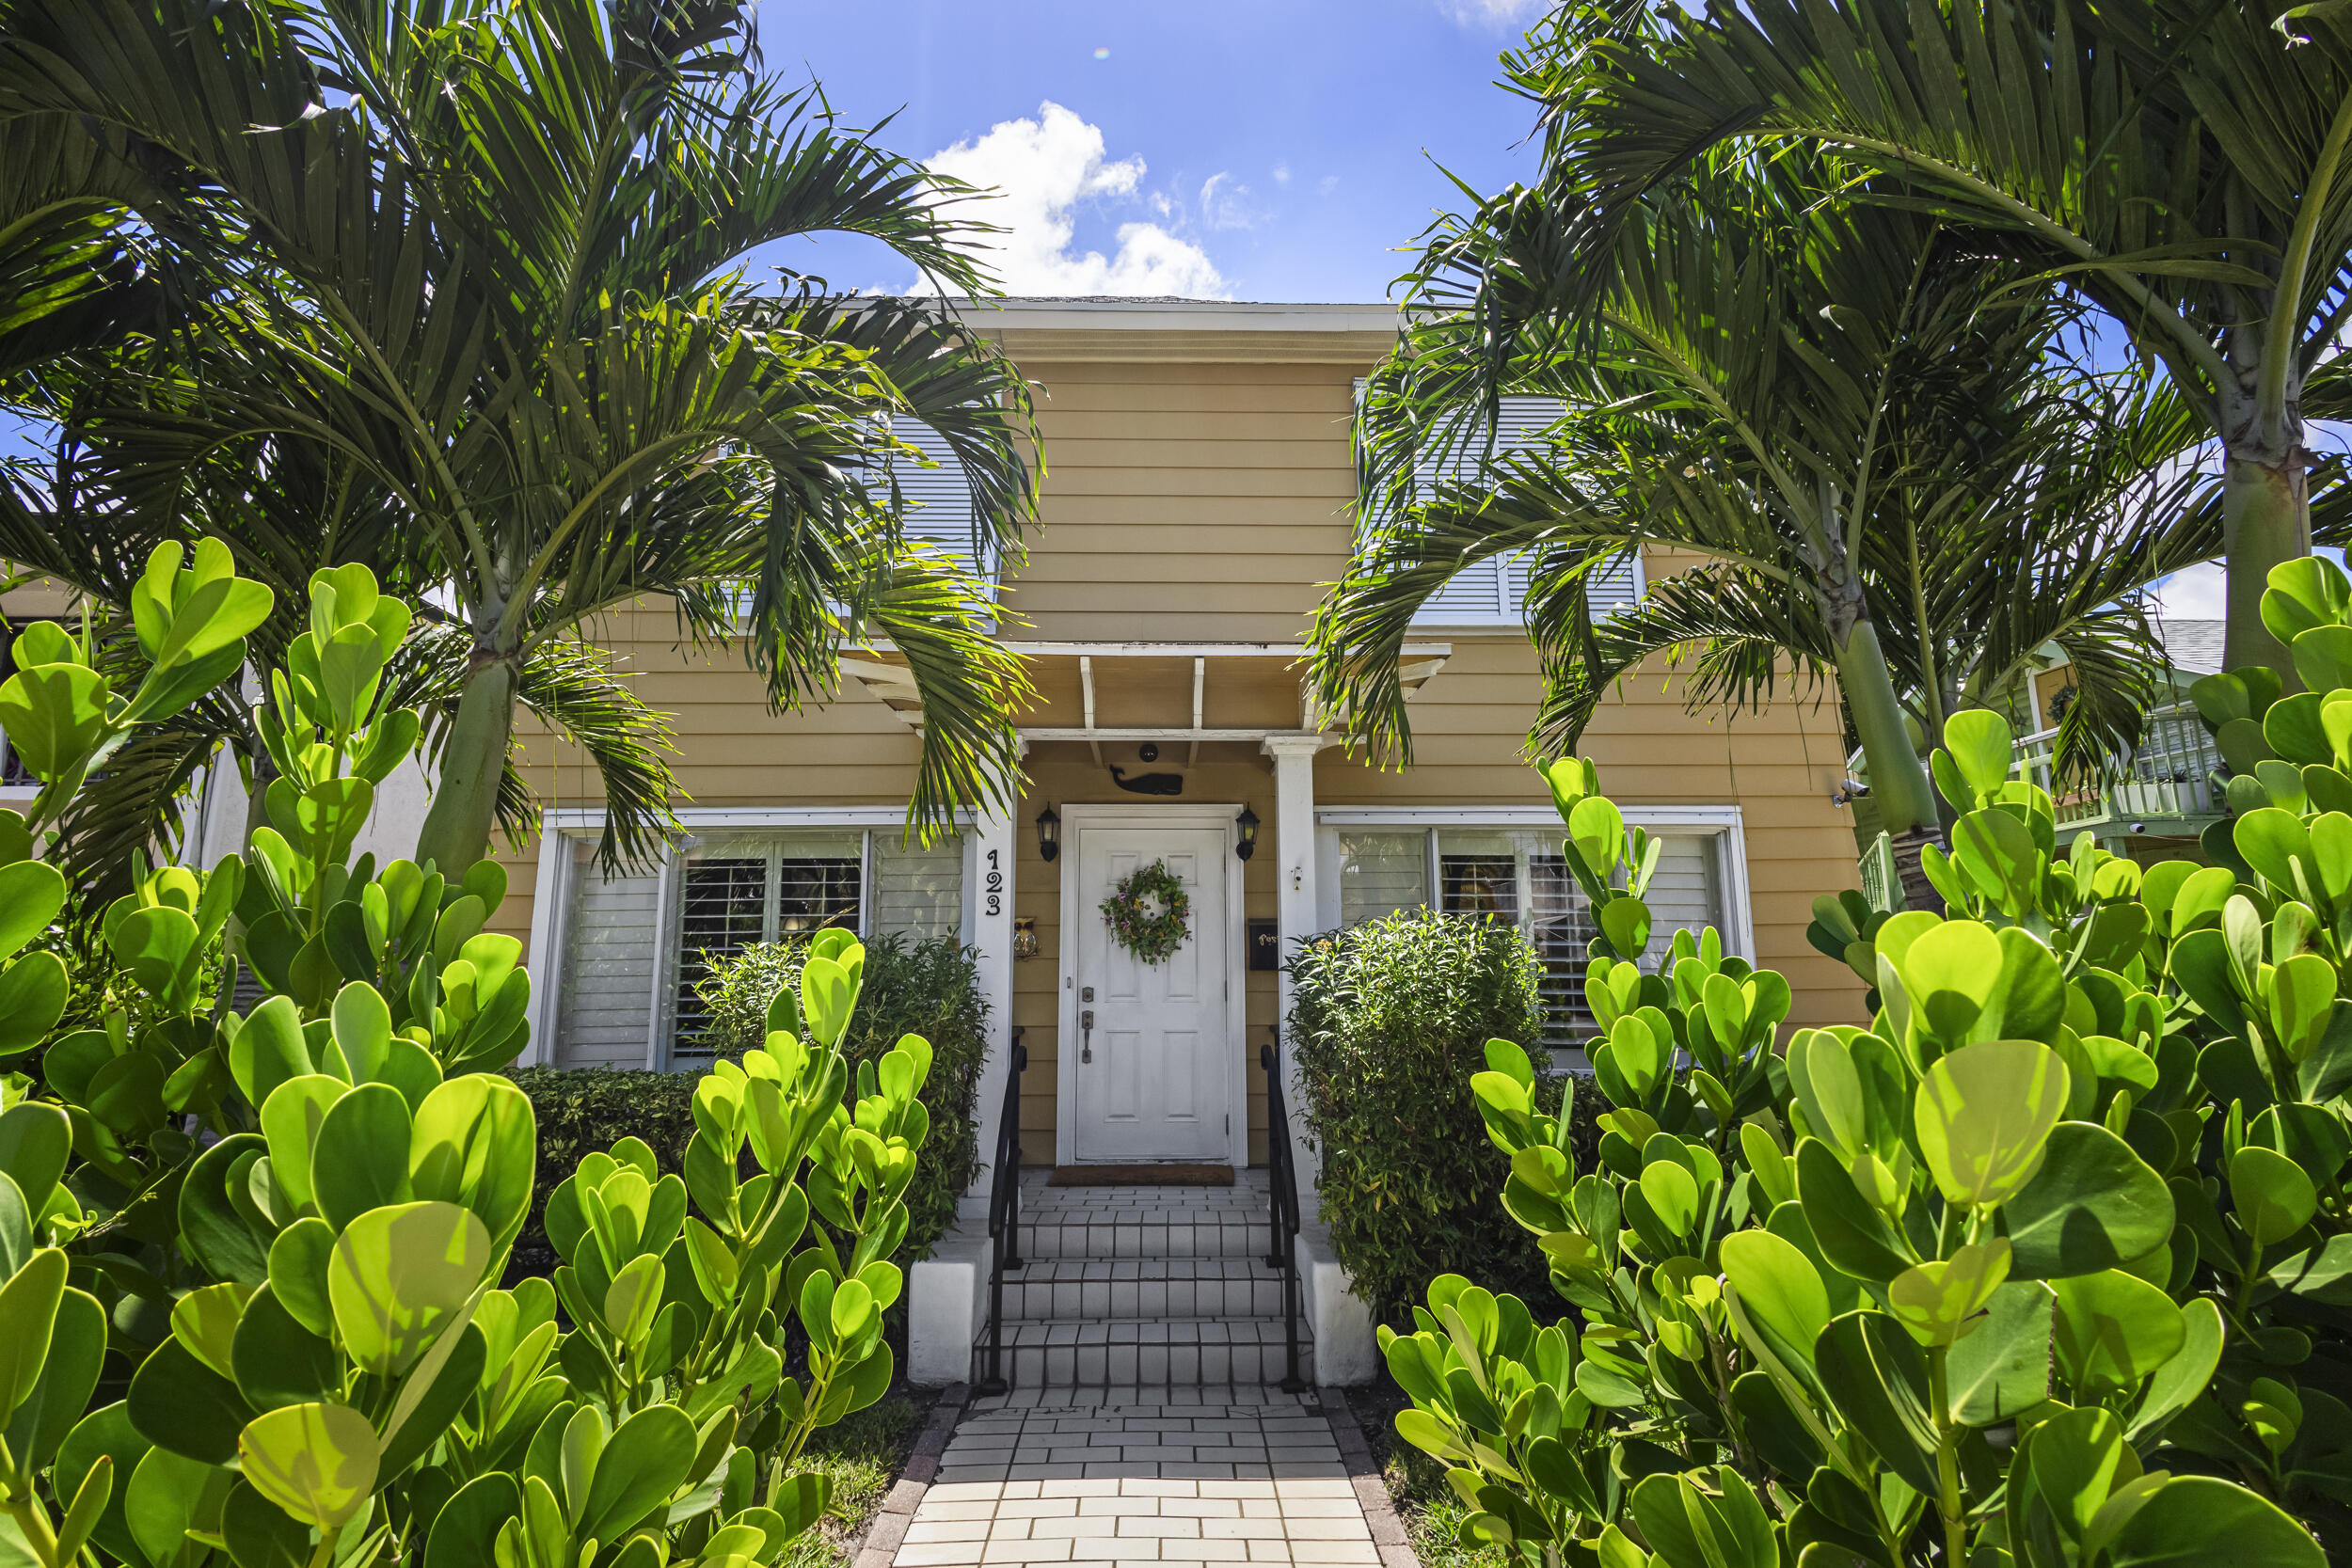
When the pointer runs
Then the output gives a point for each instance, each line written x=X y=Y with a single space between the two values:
x=1152 y=936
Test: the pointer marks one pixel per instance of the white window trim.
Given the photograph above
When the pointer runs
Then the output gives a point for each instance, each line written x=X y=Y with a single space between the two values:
x=1724 y=823
x=551 y=892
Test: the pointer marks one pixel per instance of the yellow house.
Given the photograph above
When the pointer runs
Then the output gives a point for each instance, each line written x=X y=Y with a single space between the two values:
x=1200 y=494
x=1200 y=491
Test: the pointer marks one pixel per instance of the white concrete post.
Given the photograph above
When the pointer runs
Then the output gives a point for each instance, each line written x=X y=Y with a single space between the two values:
x=947 y=1292
x=1295 y=886
x=989 y=928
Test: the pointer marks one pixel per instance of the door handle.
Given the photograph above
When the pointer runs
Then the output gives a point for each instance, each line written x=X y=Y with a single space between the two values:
x=1085 y=1038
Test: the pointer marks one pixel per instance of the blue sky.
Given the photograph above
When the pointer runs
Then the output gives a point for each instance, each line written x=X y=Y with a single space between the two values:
x=1275 y=151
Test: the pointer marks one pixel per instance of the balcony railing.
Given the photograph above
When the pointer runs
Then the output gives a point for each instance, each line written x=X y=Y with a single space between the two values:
x=2165 y=786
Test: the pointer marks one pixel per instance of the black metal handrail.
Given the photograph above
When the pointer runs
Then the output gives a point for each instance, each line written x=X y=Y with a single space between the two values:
x=1004 y=1216
x=1283 y=1176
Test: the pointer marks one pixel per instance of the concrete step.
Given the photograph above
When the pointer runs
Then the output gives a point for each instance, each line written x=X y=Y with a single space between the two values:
x=1076 y=1234
x=1181 y=1351
x=1108 y=1290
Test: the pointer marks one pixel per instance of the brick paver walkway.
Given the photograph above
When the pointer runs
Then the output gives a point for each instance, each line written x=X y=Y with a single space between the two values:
x=1109 y=1476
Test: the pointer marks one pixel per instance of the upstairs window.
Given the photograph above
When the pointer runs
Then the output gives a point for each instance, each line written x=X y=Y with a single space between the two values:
x=938 y=500
x=1493 y=593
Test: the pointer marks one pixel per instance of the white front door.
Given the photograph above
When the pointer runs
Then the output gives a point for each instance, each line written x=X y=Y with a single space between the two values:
x=1151 y=1068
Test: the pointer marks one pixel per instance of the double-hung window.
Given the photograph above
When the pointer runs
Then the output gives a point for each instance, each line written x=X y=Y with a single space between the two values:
x=1493 y=592
x=1516 y=874
x=635 y=948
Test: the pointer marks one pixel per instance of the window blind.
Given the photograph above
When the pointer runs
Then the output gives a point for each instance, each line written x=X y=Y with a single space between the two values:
x=1517 y=875
x=1493 y=593
x=938 y=500
x=629 y=965
x=738 y=890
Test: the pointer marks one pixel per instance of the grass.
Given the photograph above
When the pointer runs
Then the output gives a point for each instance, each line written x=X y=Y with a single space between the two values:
x=861 y=1455
x=1431 y=1512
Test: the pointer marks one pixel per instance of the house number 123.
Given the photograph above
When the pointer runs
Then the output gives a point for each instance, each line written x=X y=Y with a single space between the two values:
x=996 y=885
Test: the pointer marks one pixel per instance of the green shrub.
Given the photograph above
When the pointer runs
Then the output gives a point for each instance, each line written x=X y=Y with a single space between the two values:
x=928 y=987
x=249 y=1262
x=580 y=1109
x=2046 y=1267
x=1389 y=1020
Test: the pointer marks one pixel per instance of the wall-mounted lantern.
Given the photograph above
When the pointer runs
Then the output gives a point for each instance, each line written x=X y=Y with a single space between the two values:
x=1248 y=823
x=1048 y=833
x=1024 y=935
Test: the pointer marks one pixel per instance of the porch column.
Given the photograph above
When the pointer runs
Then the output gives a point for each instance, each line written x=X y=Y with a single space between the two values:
x=989 y=928
x=1295 y=896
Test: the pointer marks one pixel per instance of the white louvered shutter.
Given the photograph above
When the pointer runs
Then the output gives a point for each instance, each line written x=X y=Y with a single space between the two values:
x=1494 y=592
x=1683 y=893
x=938 y=500
x=918 y=889
x=612 y=941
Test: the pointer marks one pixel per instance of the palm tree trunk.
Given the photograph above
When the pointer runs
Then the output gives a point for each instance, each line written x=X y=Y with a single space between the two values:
x=1898 y=780
x=2265 y=520
x=456 y=830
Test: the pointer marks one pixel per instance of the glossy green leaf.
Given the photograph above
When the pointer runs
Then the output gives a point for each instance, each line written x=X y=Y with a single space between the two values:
x=32 y=893
x=1780 y=1293
x=474 y=1143
x=1937 y=1300
x=1983 y=1115
x=2274 y=1196
x=361 y=1157
x=177 y=1402
x=2003 y=1366
x=1876 y=1378
x=2114 y=1330
x=28 y=1311
x=399 y=1275
x=316 y=1462
x=205 y=1321
x=33 y=994
x=268 y=1050
x=2092 y=1205
x=168 y=1494
x=278 y=1361
x=69 y=1375
x=2194 y=1521
x=35 y=1140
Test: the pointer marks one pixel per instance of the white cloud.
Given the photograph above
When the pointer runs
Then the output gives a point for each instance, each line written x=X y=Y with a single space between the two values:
x=1041 y=169
x=2194 y=594
x=1281 y=174
x=1225 y=204
x=1491 y=13
x=1326 y=185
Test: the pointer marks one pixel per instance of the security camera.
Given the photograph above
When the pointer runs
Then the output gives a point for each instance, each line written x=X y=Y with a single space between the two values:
x=1847 y=791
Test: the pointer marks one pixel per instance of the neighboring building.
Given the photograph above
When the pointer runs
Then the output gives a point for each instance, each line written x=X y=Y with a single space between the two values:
x=1199 y=495
x=2166 y=793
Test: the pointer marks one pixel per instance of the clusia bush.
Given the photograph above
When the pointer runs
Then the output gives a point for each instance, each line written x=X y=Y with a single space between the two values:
x=248 y=1260
x=2049 y=1264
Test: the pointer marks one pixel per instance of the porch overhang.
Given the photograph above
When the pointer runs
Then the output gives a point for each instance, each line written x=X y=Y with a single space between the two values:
x=1192 y=692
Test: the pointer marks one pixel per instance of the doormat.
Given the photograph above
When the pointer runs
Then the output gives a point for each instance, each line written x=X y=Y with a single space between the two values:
x=1141 y=1176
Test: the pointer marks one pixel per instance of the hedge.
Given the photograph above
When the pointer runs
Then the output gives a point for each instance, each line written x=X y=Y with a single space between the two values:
x=928 y=987
x=1388 y=1021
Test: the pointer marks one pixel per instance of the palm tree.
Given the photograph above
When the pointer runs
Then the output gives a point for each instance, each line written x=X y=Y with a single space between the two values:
x=2184 y=163
x=485 y=263
x=1825 y=402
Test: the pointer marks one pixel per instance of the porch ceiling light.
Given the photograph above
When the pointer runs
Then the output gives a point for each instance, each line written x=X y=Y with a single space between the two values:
x=1048 y=833
x=1248 y=823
